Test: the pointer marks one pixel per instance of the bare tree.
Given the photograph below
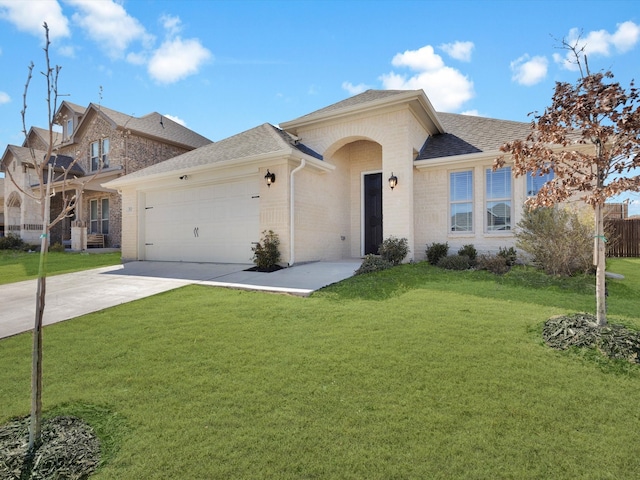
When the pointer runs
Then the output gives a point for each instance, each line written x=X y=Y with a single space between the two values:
x=50 y=172
x=590 y=139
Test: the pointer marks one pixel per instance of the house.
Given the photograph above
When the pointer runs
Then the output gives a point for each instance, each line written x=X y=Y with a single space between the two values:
x=99 y=144
x=332 y=184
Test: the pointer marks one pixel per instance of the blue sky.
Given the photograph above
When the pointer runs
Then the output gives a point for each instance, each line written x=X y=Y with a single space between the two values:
x=222 y=67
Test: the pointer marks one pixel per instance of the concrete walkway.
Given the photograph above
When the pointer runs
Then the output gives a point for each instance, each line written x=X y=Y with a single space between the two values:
x=75 y=294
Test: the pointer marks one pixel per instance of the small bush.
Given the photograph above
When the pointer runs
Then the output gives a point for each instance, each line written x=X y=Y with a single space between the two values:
x=470 y=251
x=559 y=240
x=373 y=263
x=12 y=242
x=394 y=250
x=56 y=247
x=496 y=264
x=455 y=262
x=266 y=254
x=509 y=254
x=436 y=251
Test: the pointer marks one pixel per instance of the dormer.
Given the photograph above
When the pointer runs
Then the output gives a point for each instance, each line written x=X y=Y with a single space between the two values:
x=68 y=117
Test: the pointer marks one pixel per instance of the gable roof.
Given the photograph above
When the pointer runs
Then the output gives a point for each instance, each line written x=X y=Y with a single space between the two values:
x=466 y=134
x=43 y=135
x=262 y=140
x=152 y=125
x=371 y=100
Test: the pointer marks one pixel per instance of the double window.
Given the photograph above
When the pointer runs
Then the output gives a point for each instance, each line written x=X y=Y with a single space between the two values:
x=99 y=216
x=461 y=201
x=99 y=153
x=498 y=199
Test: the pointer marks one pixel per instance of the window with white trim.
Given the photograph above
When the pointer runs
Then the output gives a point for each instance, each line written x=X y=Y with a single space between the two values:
x=69 y=128
x=104 y=215
x=99 y=151
x=93 y=216
x=498 y=199
x=461 y=201
x=535 y=181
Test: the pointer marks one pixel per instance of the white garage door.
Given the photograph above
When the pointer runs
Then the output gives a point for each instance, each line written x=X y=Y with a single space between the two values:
x=215 y=223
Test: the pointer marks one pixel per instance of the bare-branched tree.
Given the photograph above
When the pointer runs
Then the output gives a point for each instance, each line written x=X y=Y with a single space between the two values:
x=590 y=139
x=52 y=174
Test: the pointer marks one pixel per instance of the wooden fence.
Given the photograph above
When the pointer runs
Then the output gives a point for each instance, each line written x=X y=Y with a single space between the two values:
x=623 y=238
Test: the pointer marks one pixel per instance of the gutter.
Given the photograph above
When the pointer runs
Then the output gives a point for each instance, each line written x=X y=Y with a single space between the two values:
x=303 y=163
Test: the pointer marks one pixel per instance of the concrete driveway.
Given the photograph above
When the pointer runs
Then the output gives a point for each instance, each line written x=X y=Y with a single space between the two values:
x=75 y=294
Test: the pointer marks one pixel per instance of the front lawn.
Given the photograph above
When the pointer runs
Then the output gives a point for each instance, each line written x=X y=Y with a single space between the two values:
x=16 y=266
x=409 y=373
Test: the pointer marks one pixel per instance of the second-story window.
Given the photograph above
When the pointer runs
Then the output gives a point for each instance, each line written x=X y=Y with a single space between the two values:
x=99 y=152
x=69 y=129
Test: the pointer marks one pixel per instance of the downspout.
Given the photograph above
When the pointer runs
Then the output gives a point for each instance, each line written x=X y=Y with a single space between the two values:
x=292 y=212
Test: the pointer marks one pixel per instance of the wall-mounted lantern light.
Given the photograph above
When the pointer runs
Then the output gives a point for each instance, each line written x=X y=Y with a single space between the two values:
x=270 y=178
x=393 y=181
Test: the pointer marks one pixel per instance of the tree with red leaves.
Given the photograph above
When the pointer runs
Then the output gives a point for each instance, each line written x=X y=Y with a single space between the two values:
x=590 y=139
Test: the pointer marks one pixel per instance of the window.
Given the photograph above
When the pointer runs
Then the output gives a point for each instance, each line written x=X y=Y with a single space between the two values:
x=93 y=218
x=69 y=129
x=535 y=181
x=461 y=201
x=104 y=215
x=498 y=199
x=99 y=150
x=105 y=153
x=99 y=216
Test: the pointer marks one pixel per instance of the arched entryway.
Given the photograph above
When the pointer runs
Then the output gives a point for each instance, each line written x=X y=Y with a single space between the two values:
x=13 y=211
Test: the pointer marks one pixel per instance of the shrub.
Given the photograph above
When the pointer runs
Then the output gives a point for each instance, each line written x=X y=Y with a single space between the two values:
x=455 y=262
x=56 y=247
x=496 y=264
x=394 y=250
x=373 y=263
x=266 y=254
x=436 y=251
x=509 y=254
x=470 y=251
x=559 y=241
x=12 y=242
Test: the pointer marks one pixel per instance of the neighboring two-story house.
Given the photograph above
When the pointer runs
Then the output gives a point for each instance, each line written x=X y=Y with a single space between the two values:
x=106 y=144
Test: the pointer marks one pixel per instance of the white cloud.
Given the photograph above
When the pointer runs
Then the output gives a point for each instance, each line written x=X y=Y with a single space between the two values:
x=109 y=25
x=29 y=16
x=471 y=113
x=177 y=120
x=447 y=88
x=4 y=98
x=355 y=89
x=600 y=42
x=177 y=59
x=529 y=70
x=459 y=50
x=173 y=25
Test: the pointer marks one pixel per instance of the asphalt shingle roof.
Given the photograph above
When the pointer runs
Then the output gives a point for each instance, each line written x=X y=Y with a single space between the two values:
x=261 y=140
x=360 y=99
x=467 y=134
x=155 y=125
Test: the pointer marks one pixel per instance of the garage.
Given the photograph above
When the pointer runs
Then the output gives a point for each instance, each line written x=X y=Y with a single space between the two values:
x=207 y=223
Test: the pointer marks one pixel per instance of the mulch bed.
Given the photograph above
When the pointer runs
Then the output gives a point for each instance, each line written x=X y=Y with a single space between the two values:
x=69 y=450
x=581 y=330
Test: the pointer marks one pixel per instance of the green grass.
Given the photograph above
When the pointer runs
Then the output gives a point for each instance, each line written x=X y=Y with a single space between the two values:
x=18 y=266
x=410 y=373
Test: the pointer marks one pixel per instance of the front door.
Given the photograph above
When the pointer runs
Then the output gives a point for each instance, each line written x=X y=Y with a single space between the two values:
x=372 y=212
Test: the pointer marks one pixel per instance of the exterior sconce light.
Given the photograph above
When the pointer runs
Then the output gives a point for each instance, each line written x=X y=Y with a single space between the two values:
x=393 y=181
x=184 y=177
x=270 y=178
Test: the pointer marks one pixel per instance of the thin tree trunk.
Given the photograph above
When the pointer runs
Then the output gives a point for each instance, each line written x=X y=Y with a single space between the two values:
x=35 y=424
x=599 y=260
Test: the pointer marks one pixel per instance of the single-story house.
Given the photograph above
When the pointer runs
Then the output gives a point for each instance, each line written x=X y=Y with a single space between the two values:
x=332 y=184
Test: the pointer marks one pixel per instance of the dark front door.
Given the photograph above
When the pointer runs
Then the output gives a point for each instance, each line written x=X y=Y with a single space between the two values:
x=372 y=212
